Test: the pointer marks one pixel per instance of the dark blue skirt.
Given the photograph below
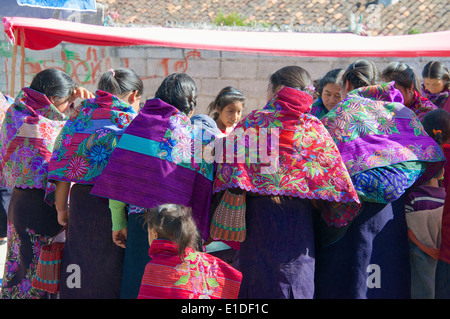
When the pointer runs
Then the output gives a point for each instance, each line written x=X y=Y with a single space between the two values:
x=89 y=246
x=371 y=261
x=136 y=256
x=277 y=256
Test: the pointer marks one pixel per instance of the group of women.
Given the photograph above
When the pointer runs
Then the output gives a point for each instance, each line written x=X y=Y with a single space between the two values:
x=328 y=222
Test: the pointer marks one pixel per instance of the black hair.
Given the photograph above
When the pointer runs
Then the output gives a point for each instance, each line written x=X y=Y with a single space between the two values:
x=292 y=76
x=180 y=91
x=53 y=83
x=174 y=223
x=121 y=81
x=361 y=73
x=437 y=125
x=333 y=76
x=226 y=96
x=437 y=70
x=402 y=74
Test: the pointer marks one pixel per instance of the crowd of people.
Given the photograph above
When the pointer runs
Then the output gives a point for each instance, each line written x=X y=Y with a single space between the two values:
x=354 y=205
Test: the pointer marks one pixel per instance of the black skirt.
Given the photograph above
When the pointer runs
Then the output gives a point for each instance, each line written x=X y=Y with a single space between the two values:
x=277 y=256
x=92 y=264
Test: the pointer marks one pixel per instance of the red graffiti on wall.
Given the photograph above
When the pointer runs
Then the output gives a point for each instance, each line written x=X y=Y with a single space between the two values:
x=88 y=70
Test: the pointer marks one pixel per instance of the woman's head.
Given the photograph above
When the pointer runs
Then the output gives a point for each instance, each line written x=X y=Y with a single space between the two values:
x=436 y=77
x=437 y=125
x=123 y=83
x=329 y=88
x=359 y=74
x=405 y=80
x=57 y=85
x=180 y=91
x=292 y=76
x=227 y=107
x=174 y=223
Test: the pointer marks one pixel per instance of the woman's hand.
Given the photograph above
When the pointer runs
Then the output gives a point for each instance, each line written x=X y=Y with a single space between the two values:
x=82 y=93
x=63 y=216
x=119 y=237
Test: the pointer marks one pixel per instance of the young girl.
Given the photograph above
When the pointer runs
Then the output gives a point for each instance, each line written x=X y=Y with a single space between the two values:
x=424 y=207
x=329 y=93
x=227 y=109
x=81 y=152
x=406 y=82
x=435 y=86
x=177 y=269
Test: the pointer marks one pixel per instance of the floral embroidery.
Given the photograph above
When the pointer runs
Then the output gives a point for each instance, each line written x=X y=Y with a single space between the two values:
x=24 y=289
x=76 y=168
x=121 y=120
x=82 y=162
x=203 y=281
x=24 y=158
x=177 y=145
x=305 y=166
x=375 y=138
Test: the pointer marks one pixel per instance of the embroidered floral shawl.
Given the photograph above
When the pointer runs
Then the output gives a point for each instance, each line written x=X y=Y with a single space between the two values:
x=304 y=161
x=421 y=105
x=86 y=142
x=27 y=136
x=155 y=163
x=382 y=142
x=318 y=109
x=199 y=276
x=437 y=99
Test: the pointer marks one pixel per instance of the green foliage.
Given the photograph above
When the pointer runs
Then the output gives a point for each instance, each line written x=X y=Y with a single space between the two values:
x=231 y=19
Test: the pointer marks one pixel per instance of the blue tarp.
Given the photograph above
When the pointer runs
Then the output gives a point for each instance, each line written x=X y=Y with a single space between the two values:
x=10 y=8
x=77 y=5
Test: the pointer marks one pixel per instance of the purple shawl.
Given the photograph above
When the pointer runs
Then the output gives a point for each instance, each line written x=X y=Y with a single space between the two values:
x=153 y=165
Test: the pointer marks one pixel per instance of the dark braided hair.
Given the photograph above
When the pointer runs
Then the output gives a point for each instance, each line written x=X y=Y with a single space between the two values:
x=437 y=125
x=121 y=81
x=180 y=91
x=292 y=76
x=361 y=73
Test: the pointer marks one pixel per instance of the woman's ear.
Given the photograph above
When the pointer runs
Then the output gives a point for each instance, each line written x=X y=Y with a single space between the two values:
x=132 y=97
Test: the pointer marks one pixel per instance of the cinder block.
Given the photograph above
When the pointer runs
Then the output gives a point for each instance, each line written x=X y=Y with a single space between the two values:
x=239 y=69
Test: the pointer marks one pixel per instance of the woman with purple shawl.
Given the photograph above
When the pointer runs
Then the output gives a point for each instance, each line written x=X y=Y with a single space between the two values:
x=387 y=153
x=152 y=165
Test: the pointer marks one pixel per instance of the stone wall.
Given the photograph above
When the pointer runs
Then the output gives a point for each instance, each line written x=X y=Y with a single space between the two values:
x=212 y=70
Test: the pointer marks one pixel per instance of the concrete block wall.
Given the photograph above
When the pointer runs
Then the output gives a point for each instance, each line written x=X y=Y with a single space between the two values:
x=212 y=70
